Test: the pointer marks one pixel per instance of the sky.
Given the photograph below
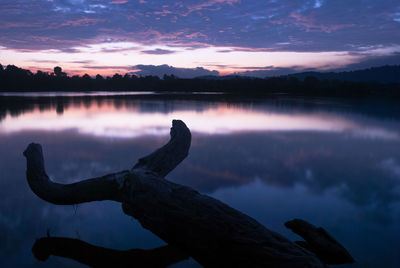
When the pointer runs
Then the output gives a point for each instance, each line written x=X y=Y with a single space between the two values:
x=194 y=38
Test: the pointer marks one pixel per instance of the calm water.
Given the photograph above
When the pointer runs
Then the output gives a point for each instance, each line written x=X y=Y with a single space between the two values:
x=333 y=163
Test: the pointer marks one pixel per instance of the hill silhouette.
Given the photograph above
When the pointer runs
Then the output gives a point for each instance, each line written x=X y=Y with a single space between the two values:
x=383 y=74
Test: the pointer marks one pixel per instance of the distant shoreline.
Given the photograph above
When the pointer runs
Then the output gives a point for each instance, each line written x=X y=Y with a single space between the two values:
x=14 y=79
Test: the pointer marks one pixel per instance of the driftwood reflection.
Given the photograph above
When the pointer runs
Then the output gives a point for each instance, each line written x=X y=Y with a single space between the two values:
x=96 y=256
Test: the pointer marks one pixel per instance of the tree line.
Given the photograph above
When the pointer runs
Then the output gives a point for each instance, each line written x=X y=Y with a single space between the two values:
x=13 y=78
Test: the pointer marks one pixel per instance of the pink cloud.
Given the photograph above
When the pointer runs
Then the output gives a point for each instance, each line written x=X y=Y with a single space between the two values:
x=163 y=13
x=82 y=22
x=8 y=25
x=196 y=35
x=209 y=4
x=119 y=2
x=310 y=24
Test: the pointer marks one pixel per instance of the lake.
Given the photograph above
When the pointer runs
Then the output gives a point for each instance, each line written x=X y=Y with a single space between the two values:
x=332 y=162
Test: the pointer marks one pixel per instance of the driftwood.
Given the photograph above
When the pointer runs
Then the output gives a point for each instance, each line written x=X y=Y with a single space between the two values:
x=211 y=232
x=320 y=242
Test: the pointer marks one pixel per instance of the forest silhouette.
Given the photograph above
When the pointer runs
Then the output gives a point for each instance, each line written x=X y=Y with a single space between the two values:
x=13 y=78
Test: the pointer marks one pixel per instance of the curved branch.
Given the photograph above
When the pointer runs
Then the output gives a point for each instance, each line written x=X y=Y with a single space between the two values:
x=320 y=242
x=95 y=256
x=108 y=187
x=166 y=158
x=96 y=189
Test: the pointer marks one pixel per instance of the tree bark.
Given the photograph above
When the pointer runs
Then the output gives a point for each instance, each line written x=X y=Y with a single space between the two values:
x=210 y=231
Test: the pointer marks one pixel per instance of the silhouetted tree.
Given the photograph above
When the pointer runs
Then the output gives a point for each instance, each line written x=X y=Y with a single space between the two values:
x=86 y=77
x=117 y=77
x=169 y=77
x=57 y=71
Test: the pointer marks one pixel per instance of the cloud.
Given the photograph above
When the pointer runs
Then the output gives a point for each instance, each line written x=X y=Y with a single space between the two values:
x=209 y=4
x=107 y=67
x=68 y=50
x=119 y=2
x=230 y=25
x=392 y=166
x=44 y=61
x=270 y=71
x=368 y=61
x=301 y=25
x=82 y=22
x=118 y=49
x=225 y=51
x=318 y=3
x=160 y=70
x=261 y=72
x=310 y=24
x=158 y=51
x=82 y=61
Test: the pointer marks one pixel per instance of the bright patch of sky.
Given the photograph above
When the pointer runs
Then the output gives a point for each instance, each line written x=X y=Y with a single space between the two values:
x=396 y=17
x=318 y=3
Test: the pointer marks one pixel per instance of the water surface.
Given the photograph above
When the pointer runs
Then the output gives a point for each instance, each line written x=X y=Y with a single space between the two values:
x=331 y=162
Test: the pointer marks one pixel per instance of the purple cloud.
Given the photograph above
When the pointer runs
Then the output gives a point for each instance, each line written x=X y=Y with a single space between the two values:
x=119 y=2
x=158 y=51
x=161 y=70
x=299 y=25
x=108 y=67
x=233 y=25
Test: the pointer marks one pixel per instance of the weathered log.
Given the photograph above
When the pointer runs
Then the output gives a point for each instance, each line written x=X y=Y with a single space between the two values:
x=213 y=233
x=319 y=241
x=95 y=256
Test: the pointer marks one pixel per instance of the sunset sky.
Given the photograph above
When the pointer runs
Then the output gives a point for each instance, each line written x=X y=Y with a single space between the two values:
x=191 y=38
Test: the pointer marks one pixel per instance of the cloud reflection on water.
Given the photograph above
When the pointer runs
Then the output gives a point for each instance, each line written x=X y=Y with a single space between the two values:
x=108 y=120
x=274 y=162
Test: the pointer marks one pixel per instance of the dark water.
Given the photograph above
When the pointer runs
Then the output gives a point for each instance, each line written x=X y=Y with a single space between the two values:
x=333 y=163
